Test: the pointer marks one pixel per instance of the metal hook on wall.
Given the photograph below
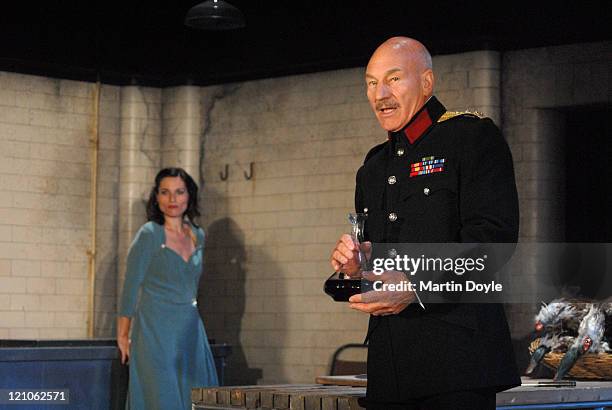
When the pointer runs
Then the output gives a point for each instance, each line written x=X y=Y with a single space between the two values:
x=250 y=174
x=224 y=175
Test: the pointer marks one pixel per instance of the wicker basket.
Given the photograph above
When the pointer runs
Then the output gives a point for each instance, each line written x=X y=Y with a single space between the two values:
x=591 y=366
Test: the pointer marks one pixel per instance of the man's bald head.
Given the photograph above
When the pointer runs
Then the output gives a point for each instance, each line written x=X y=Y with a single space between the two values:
x=409 y=48
x=399 y=79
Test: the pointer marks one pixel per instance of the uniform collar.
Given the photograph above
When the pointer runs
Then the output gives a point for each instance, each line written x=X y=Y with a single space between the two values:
x=421 y=121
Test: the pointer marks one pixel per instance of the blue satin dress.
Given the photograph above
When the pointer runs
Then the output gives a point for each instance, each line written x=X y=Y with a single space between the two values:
x=169 y=351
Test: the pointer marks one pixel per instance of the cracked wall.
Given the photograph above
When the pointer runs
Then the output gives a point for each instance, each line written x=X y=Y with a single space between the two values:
x=268 y=237
x=45 y=206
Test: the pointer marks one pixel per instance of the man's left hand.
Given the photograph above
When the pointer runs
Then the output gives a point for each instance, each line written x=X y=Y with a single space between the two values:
x=383 y=302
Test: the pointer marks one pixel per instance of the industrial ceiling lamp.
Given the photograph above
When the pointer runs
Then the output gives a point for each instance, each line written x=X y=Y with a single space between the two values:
x=214 y=15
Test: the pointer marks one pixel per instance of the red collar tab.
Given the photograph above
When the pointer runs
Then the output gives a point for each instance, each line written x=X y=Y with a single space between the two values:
x=422 y=121
x=418 y=125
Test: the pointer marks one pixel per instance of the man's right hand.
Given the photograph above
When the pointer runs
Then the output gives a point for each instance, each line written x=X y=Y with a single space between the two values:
x=345 y=256
x=384 y=302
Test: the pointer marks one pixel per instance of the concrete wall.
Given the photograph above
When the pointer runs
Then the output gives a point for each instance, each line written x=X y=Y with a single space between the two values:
x=44 y=207
x=538 y=86
x=470 y=81
x=140 y=158
x=45 y=176
x=268 y=237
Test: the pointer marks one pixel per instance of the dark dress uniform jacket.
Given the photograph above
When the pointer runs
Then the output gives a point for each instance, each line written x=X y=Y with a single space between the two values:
x=472 y=199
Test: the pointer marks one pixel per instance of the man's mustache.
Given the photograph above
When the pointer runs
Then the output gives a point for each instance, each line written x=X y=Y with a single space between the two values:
x=380 y=105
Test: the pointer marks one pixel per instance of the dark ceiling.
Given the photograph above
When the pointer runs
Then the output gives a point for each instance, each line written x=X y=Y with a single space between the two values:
x=147 y=43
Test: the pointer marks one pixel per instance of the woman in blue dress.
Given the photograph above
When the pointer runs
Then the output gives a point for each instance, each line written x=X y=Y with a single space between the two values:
x=159 y=328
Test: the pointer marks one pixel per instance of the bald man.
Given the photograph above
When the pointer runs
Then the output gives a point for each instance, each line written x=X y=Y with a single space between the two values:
x=438 y=178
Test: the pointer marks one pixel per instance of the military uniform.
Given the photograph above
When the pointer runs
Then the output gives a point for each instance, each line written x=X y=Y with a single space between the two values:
x=439 y=180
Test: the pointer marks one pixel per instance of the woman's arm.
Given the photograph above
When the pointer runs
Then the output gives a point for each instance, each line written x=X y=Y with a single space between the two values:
x=138 y=260
x=123 y=337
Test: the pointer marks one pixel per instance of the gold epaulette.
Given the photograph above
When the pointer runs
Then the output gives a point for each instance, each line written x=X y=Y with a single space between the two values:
x=450 y=114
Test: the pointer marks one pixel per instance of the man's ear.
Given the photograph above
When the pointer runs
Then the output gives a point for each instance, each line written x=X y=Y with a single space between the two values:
x=427 y=82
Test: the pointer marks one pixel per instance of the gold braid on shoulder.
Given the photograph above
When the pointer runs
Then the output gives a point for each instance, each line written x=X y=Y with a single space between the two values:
x=450 y=114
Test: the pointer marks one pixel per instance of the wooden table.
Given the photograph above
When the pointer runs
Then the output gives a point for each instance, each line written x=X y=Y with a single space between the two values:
x=277 y=397
x=342 y=393
x=586 y=395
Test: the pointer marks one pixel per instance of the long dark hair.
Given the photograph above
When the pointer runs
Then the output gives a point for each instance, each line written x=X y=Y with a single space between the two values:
x=155 y=214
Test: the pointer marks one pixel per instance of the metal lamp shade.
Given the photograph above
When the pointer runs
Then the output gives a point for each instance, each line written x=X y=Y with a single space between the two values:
x=214 y=15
